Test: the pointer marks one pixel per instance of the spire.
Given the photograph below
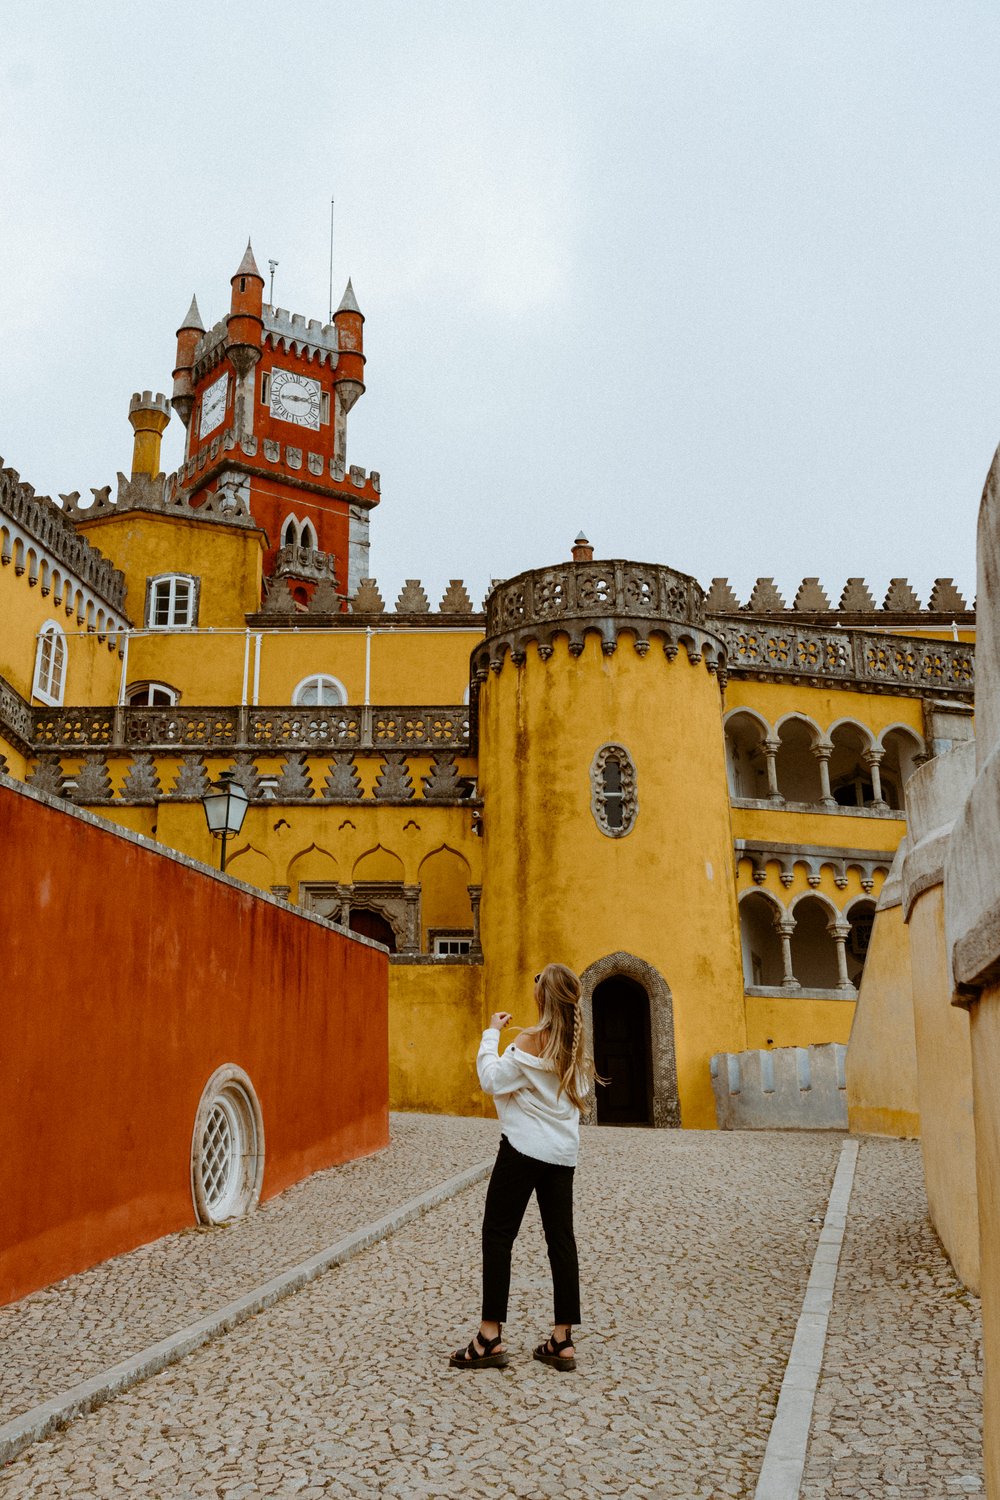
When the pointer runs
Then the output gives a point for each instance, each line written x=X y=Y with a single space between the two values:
x=348 y=302
x=193 y=317
x=248 y=266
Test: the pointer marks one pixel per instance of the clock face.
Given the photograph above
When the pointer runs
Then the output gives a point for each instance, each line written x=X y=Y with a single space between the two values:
x=295 y=398
x=213 y=406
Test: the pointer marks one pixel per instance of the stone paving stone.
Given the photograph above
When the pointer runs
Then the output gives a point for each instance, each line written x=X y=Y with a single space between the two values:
x=68 y=1332
x=899 y=1405
x=696 y=1250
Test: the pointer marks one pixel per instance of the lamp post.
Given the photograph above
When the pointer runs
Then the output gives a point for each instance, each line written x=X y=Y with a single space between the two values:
x=225 y=808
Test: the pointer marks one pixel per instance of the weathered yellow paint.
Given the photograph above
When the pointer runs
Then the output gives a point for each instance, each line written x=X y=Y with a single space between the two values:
x=881 y=1057
x=227 y=559
x=800 y=886
x=92 y=665
x=824 y=706
x=773 y=1021
x=556 y=888
x=436 y=1015
x=834 y=830
x=944 y=1089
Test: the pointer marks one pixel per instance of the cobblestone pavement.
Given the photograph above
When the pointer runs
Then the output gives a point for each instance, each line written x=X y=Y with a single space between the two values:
x=696 y=1249
x=59 y=1336
x=899 y=1406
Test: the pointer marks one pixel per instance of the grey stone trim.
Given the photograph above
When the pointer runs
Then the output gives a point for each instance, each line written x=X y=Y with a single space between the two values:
x=764 y=804
x=924 y=866
x=16 y=719
x=898 y=664
x=41 y=1421
x=393 y=783
x=666 y=1103
x=306 y=563
x=781 y=1088
x=629 y=793
x=161 y=494
x=798 y=991
x=51 y=527
x=468 y=960
x=814 y=856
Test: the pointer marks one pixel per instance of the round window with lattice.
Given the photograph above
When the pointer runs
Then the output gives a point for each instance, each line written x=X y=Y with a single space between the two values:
x=227 y=1148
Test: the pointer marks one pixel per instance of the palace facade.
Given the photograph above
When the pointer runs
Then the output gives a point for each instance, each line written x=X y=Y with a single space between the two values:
x=691 y=799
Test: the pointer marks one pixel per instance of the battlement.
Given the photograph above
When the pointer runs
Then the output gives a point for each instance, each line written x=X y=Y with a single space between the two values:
x=456 y=607
x=856 y=598
x=162 y=495
x=289 y=455
x=41 y=520
x=146 y=401
x=292 y=332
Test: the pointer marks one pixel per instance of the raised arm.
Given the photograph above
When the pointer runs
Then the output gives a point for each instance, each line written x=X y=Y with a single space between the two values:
x=497 y=1075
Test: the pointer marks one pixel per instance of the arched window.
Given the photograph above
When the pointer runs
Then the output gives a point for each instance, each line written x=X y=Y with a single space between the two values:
x=319 y=689
x=50 y=664
x=290 y=534
x=151 y=695
x=613 y=799
x=172 y=599
x=307 y=537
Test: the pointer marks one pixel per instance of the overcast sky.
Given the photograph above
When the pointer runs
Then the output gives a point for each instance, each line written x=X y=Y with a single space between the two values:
x=715 y=281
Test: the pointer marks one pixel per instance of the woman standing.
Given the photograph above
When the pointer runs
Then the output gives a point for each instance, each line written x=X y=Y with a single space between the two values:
x=540 y=1086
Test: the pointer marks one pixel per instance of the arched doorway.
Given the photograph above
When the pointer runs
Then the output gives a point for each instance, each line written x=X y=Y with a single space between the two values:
x=371 y=924
x=656 y=1006
x=622 y=1052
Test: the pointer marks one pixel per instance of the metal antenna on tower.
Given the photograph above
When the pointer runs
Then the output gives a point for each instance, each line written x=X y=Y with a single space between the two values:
x=274 y=266
x=331 y=260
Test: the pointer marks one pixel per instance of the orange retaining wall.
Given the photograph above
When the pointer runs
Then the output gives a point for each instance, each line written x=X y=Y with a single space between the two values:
x=129 y=974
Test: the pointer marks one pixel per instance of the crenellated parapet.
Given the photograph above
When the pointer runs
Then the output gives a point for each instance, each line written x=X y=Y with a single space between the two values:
x=161 y=495
x=855 y=601
x=367 y=604
x=302 y=468
x=37 y=519
x=643 y=600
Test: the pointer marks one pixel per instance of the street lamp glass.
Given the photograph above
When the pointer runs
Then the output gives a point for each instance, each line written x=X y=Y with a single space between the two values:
x=225 y=806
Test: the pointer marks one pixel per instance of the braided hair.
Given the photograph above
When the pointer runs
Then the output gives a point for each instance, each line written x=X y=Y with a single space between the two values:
x=557 y=991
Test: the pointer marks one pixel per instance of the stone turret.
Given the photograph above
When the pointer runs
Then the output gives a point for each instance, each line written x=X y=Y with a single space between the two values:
x=245 y=323
x=149 y=416
x=188 y=335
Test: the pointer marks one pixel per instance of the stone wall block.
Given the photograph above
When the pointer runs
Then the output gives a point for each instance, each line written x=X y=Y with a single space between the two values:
x=781 y=1088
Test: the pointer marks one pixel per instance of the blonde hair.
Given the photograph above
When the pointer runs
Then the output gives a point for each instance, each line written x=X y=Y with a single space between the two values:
x=557 y=991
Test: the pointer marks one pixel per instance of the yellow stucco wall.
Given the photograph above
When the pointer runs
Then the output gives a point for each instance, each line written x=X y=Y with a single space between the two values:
x=881 y=1056
x=825 y=706
x=436 y=1015
x=556 y=888
x=798 y=1021
x=944 y=1089
x=92 y=665
x=985 y=1026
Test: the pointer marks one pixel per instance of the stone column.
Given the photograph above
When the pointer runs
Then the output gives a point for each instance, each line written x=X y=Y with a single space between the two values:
x=873 y=760
x=840 y=932
x=475 y=896
x=770 y=749
x=411 y=943
x=785 y=927
x=822 y=754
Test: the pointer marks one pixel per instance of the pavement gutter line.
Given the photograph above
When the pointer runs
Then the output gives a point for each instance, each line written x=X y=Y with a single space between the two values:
x=40 y=1421
x=785 y=1454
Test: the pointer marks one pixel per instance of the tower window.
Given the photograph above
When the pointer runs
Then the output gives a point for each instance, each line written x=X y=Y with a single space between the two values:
x=50 y=664
x=613 y=799
x=324 y=415
x=265 y=388
x=307 y=537
x=290 y=535
x=172 y=601
x=319 y=689
x=243 y=283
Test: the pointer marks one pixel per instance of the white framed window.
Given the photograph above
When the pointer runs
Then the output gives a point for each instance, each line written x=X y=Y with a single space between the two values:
x=452 y=945
x=151 y=695
x=321 y=690
x=172 y=600
x=50 y=664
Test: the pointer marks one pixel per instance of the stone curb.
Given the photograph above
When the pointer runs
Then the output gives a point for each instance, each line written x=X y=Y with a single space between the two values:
x=40 y=1421
x=785 y=1456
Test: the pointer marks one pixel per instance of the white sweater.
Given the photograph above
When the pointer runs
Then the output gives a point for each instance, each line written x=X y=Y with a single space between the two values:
x=537 y=1120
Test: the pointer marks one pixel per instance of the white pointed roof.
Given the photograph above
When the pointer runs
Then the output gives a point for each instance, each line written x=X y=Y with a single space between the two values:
x=248 y=266
x=348 y=302
x=192 y=318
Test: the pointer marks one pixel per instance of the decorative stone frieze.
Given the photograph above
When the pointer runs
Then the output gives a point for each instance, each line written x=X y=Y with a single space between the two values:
x=192 y=779
x=47 y=776
x=15 y=716
x=607 y=598
x=294 y=783
x=443 y=784
x=814 y=857
x=393 y=783
x=142 y=784
x=889 y=663
x=245 y=775
x=342 y=783
x=306 y=563
x=93 y=784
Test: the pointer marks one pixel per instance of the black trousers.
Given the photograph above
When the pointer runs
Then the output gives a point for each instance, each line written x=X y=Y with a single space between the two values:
x=515 y=1177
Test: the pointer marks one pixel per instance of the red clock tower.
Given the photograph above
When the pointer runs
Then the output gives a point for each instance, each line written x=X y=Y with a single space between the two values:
x=264 y=396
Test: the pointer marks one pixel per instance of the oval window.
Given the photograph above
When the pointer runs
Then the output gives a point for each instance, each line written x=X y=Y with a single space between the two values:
x=613 y=799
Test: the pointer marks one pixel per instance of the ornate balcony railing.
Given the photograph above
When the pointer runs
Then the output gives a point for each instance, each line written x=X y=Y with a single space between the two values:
x=251 y=729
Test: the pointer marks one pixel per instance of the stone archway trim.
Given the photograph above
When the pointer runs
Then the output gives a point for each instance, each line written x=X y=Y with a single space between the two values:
x=666 y=1104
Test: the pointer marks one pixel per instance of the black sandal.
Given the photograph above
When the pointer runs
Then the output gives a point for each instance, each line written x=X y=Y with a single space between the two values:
x=471 y=1359
x=550 y=1353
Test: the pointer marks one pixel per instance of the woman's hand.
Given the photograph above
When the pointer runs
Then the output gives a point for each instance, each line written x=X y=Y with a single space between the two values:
x=499 y=1019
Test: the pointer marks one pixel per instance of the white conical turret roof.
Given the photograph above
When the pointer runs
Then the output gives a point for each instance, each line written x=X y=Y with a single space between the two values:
x=348 y=302
x=248 y=266
x=192 y=318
